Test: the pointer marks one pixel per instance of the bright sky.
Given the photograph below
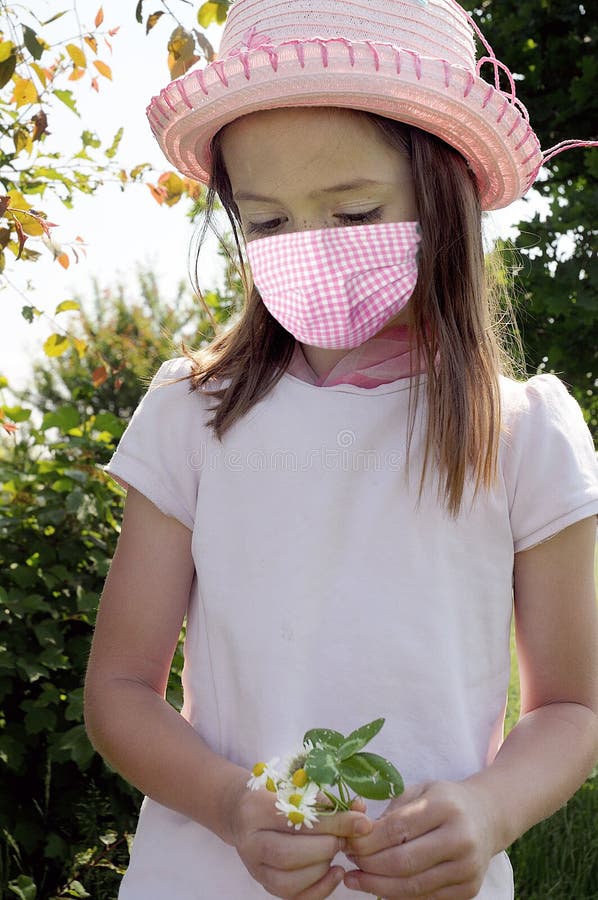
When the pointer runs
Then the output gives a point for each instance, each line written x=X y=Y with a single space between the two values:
x=122 y=229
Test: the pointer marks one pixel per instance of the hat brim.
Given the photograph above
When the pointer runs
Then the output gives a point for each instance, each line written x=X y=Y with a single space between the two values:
x=449 y=101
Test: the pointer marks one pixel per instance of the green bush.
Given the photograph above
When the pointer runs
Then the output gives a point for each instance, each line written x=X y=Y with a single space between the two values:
x=65 y=816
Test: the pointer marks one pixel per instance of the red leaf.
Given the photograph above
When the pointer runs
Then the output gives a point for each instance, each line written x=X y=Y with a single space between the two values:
x=99 y=376
x=94 y=84
x=9 y=427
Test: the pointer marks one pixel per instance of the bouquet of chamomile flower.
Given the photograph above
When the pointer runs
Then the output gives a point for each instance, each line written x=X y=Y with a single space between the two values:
x=327 y=760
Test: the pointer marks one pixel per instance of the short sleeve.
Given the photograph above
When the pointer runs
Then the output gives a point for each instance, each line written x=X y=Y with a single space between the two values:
x=155 y=453
x=551 y=469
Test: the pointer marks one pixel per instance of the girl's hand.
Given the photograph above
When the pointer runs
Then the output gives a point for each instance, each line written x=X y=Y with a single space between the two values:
x=286 y=862
x=434 y=841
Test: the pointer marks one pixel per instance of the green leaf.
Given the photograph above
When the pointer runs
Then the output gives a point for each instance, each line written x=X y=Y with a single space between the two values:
x=67 y=98
x=40 y=719
x=359 y=738
x=7 y=68
x=31 y=42
x=12 y=752
x=139 y=12
x=371 y=776
x=54 y=17
x=107 y=421
x=73 y=744
x=322 y=766
x=76 y=889
x=17 y=413
x=324 y=736
x=112 y=150
x=64 y=418
x=23 y=887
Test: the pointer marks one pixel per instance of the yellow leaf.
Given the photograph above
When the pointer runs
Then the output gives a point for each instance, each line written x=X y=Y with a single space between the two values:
x=99 y=17
x=174 y=187
x=207 y=14
x=91 y=42
x=39 y=72
x=29 y=224
x=77 y=55
x=181 y=52
x=103 y=68
x=6 y=48
x=24 y=92
x=56 y=345
x=67 y=304
x=17 y=201
x=76 y=74
x=80 y=346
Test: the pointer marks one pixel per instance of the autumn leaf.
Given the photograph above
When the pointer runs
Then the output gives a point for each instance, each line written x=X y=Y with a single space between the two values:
x=6 y=50
x=91 y=42
x=159 y=194
x=41 y=73
x=208 y=13
x=80 y=346
x=103 y=68
x=99 y=376
x=40 y=125
x=77 y=55
x=181 y=52
x=99 y=17
x=56 y=345
x=151 y=21
x=63 y=260
x=24 y=92
x=174 y=187
x=67 y=305
x=76 y=74
x=94 y=84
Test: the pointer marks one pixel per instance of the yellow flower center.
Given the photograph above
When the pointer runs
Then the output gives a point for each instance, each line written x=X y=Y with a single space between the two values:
x=270 y=785
x=300 y=778
x=259 y=769
x=295 y=800
x=296 y=818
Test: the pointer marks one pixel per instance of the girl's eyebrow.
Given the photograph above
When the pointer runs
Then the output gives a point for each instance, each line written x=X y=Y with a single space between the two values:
x=335 y=189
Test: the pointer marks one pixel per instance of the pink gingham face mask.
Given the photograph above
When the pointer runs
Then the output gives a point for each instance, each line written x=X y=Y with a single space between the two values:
x=337 y=287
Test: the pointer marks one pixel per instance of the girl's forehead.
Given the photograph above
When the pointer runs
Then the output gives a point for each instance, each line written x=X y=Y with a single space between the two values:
x=283 y=138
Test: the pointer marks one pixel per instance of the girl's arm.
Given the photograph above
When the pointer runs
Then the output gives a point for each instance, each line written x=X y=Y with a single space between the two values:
x=554 y=746
x=438 y=838
x=129 y=722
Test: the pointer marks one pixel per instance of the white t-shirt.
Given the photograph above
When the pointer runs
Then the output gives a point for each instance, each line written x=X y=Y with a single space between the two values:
x=324 y=597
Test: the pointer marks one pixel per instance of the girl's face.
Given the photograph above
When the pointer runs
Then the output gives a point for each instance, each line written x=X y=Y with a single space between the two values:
x=309 y=168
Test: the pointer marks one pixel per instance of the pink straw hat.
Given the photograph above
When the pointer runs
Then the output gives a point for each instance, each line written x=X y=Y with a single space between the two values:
x=409 y=60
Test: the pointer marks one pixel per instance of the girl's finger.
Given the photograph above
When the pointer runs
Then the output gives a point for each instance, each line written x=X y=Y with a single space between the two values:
x=297 y=851
x=402 y=824
x=309 y=883
x=446 y=877
x=410 y=859
x=325 y=887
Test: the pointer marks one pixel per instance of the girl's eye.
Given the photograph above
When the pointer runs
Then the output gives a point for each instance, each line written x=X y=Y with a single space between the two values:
x=374 y=215
x=263 y=227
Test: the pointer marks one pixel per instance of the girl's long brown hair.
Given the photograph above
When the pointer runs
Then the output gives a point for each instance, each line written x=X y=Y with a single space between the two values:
x=456 y=323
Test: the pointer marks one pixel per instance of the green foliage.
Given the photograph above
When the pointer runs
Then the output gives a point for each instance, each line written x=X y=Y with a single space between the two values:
x=65 y=816
x=552 y=46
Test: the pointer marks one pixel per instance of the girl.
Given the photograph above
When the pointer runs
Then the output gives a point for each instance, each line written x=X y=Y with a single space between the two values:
x=348 y=492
